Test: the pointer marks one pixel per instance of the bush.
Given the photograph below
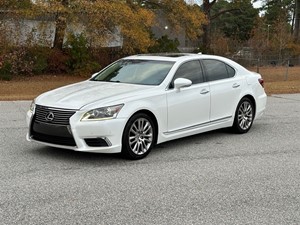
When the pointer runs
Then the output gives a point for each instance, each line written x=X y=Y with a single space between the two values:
x=17 y=62
x=25 y=61
x=164 y=44
x=77 y=58
x=57 y=61
x=78 y=51
x=39 y=55
x=80 y=61
x=5 y=71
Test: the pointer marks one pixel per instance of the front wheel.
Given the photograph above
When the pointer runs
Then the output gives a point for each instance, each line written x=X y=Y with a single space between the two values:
x=138 y=137
x=244 y=116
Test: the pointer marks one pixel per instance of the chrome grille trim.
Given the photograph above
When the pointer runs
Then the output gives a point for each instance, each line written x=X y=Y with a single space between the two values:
x=60 y=116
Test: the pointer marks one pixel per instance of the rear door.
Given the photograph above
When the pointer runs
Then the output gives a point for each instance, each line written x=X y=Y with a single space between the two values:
x=225 y=88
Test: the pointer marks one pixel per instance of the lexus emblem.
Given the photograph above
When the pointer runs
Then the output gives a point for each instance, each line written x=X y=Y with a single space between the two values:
x=50 y=116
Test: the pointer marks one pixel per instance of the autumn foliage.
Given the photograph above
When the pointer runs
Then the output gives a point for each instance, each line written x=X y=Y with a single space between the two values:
x=85 y=35
x=95 y=24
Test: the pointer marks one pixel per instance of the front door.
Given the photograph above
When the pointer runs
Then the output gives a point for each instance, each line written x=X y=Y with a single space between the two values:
x=188 y=107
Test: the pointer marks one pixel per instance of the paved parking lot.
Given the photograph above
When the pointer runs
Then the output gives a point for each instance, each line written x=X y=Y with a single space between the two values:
x=211 y=178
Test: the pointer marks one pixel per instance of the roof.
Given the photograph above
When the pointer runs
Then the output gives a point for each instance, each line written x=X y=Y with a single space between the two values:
x=168 y=54
x=173 y=57
x=182 y=57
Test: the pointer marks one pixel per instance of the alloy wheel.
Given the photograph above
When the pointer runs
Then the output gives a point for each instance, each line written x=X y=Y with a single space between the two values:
x=245 y=115
x=140 y=136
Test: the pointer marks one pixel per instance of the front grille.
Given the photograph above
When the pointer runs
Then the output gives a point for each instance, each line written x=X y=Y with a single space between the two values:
x=67 y=141
x=52 y=125
x=56 y=116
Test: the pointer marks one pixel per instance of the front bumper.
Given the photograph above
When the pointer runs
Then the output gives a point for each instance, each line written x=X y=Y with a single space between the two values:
x=87 y=136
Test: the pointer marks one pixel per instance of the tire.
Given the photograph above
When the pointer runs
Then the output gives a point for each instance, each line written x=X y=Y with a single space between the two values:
x=138 y=137
x=244 y=116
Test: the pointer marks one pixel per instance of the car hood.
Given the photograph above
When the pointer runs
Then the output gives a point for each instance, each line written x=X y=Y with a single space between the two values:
x=78 y=95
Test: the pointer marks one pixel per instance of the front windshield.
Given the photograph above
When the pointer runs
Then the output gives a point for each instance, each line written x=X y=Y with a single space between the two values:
x=145 y=72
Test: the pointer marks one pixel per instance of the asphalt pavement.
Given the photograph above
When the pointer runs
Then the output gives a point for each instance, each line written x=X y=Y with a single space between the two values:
x=211 y=178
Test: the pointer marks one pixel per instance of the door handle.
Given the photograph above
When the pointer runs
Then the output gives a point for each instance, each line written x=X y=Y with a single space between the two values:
x=204 y=91
x=235 y=85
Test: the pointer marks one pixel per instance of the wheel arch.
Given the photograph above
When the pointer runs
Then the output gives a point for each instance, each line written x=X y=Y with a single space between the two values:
x=154 y=120
x=252 y=99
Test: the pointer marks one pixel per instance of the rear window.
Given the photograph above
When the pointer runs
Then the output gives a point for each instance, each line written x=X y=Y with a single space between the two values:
x=217 y=70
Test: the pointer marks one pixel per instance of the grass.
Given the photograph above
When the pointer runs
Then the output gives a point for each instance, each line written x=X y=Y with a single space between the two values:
x=281 y=80
x=27 y=88
x=278 y=80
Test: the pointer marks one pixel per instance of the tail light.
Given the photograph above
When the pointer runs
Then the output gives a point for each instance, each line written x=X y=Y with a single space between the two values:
x=261 y=81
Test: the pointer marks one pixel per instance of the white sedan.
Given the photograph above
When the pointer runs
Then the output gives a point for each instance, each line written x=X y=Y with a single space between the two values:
x=143 y=100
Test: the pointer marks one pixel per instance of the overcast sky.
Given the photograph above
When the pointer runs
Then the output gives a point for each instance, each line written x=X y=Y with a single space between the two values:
x=257 y=4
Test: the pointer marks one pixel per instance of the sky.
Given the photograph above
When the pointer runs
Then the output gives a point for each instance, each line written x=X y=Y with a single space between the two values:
x=257 y=4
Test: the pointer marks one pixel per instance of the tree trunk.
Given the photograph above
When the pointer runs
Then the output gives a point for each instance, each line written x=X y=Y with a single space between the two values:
x=60 y=29
x=206 y=38
x=61 y=26
x=297 y=21
x=206 y=28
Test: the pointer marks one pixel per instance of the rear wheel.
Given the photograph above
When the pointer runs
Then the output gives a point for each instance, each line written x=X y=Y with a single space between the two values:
x=244 y=116
x=138 y=137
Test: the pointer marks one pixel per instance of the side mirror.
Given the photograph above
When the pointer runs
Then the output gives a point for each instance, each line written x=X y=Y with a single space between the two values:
x=182 y=82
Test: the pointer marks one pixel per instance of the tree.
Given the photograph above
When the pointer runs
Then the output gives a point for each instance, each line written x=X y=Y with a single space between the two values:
x=60 y=21
x=133 y=23
x=282 y=17
x=133 y=19
x=11 y=10
x=278 y=10
x=100 y=20
x=235 y=24
x=184 y=17
x=181 y=16
x=275 y=28
x=297 y=21
x=164 y=44
x=282 y=39
x=15 y=4
x=259 y=40
x=207 y=7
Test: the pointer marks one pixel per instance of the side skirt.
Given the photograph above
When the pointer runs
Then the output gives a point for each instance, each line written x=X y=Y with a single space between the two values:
x=196 y=129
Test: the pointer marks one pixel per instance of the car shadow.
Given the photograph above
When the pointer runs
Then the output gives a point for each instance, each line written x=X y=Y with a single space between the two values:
x=75 y=157
x=159 y=151
x=200 y=141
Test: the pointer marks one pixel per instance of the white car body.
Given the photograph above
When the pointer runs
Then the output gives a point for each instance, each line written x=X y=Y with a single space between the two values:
x=176 y=112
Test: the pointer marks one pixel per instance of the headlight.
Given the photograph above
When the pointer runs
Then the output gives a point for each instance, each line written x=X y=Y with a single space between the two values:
x=104 y=113
x=32 y=106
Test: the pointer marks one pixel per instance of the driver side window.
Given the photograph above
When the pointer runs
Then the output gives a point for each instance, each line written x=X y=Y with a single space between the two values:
x=190 y=70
